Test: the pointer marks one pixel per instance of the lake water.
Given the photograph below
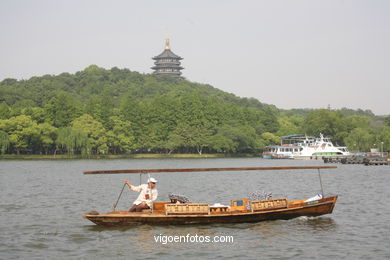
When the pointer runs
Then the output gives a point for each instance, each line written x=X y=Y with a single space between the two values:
x=42 y=203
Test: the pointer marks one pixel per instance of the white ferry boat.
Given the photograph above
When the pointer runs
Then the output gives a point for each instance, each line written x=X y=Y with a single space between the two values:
x=304 y=147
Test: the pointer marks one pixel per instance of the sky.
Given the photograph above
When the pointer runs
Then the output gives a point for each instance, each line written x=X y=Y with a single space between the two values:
x=289 y=53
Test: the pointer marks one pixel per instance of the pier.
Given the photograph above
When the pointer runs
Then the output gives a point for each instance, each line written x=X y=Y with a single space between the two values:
x=366 y=160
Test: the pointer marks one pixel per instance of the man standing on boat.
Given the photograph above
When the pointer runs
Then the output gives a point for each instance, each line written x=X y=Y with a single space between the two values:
x=147 y=194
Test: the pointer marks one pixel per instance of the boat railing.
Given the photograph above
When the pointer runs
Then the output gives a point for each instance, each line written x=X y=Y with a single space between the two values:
x=263 y=205
x=187 y=209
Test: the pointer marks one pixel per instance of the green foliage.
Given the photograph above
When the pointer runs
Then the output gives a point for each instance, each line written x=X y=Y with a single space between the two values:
x=4 y=142
x=382 y=138
x=327 y=122
x=270 y=138
x=22 y=131
x=100 y=107
x=359 y=140
x=222 y=144
x=61 y=110
x=121 y=138
x=359 y=112
x=356 y=121
x=242 y=139
x=99 y=111
x=48 y=135
x=289 y=125
x=5 y=111
x=72 y=141
x=387 y=120
x=94 y=131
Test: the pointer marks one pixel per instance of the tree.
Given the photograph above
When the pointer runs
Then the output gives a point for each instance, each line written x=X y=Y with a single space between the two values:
x=356 y=121
x=382 y=138
x=22 y=132
x=359 y=139
x=4 y=142
x=62 y=110
x=270 y=139
x=329 y=123
x=36 y=113
x=130 y=109
x=175 y=141
x=9 y=82
x=243 y=138
x=222 y=144
x=120 y=139
x=289 y=125
x=72 y=141
x=5 y=111
x=189 y=137
x=48 y=135
x=94 y=131
x=101 y=107
x=387 y=120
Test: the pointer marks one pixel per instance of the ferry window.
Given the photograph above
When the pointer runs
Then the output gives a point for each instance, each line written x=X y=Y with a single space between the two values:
x=238 y=203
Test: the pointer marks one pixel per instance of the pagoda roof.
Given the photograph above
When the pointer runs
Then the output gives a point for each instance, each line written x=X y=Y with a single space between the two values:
x=167 y=67
x=167 y=53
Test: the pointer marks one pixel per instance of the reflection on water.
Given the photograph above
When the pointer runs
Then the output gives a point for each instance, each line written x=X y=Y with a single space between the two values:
x=316 y=223
x=42 y=203
x=97 y=228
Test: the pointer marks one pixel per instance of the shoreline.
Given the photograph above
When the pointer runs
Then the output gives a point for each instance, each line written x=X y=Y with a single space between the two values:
x=119 y=156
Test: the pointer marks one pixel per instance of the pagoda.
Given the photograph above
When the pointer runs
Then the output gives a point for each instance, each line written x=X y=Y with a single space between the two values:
x=167 y=63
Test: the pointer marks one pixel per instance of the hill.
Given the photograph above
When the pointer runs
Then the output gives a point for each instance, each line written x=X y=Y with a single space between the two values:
x=117 y=111
x=120 y=111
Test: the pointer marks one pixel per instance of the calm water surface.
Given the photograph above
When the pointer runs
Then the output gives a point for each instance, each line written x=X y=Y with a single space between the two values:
x=42 y=203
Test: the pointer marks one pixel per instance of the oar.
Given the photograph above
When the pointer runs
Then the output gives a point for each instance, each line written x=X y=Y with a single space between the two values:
x=209 y=169
x=114 y=206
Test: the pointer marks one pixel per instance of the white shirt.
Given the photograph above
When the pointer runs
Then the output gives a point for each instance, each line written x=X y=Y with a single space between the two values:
x=143 y=189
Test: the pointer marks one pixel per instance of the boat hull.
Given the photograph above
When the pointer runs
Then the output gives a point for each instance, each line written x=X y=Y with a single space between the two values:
x=321 y=207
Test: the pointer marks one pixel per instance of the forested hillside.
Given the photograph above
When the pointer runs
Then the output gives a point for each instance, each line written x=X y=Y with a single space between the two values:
x=99 y=111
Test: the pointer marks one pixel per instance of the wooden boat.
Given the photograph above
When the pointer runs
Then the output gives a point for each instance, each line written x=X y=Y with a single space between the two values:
x=240 y=210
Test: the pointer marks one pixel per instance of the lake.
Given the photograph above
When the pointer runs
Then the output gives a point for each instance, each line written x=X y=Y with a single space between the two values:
x=42 y=203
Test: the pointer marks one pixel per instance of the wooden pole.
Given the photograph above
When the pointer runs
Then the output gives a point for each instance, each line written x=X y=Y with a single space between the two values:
x=322 y=188
x=114 y=206
x=208 y=169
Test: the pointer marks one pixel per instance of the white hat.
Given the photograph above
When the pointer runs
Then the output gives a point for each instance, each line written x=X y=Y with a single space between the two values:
x=151 y=179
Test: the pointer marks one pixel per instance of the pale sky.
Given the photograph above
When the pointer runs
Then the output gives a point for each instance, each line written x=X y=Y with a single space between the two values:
x=293 y=54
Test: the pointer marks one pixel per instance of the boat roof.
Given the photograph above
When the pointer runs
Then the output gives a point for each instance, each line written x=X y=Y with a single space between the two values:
x=296 y=136
x=283 y=146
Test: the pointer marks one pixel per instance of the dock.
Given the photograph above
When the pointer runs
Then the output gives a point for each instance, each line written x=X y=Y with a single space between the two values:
x=366 y=160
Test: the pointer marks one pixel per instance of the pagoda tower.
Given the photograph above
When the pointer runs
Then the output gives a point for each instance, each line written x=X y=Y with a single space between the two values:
x=167 y=63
